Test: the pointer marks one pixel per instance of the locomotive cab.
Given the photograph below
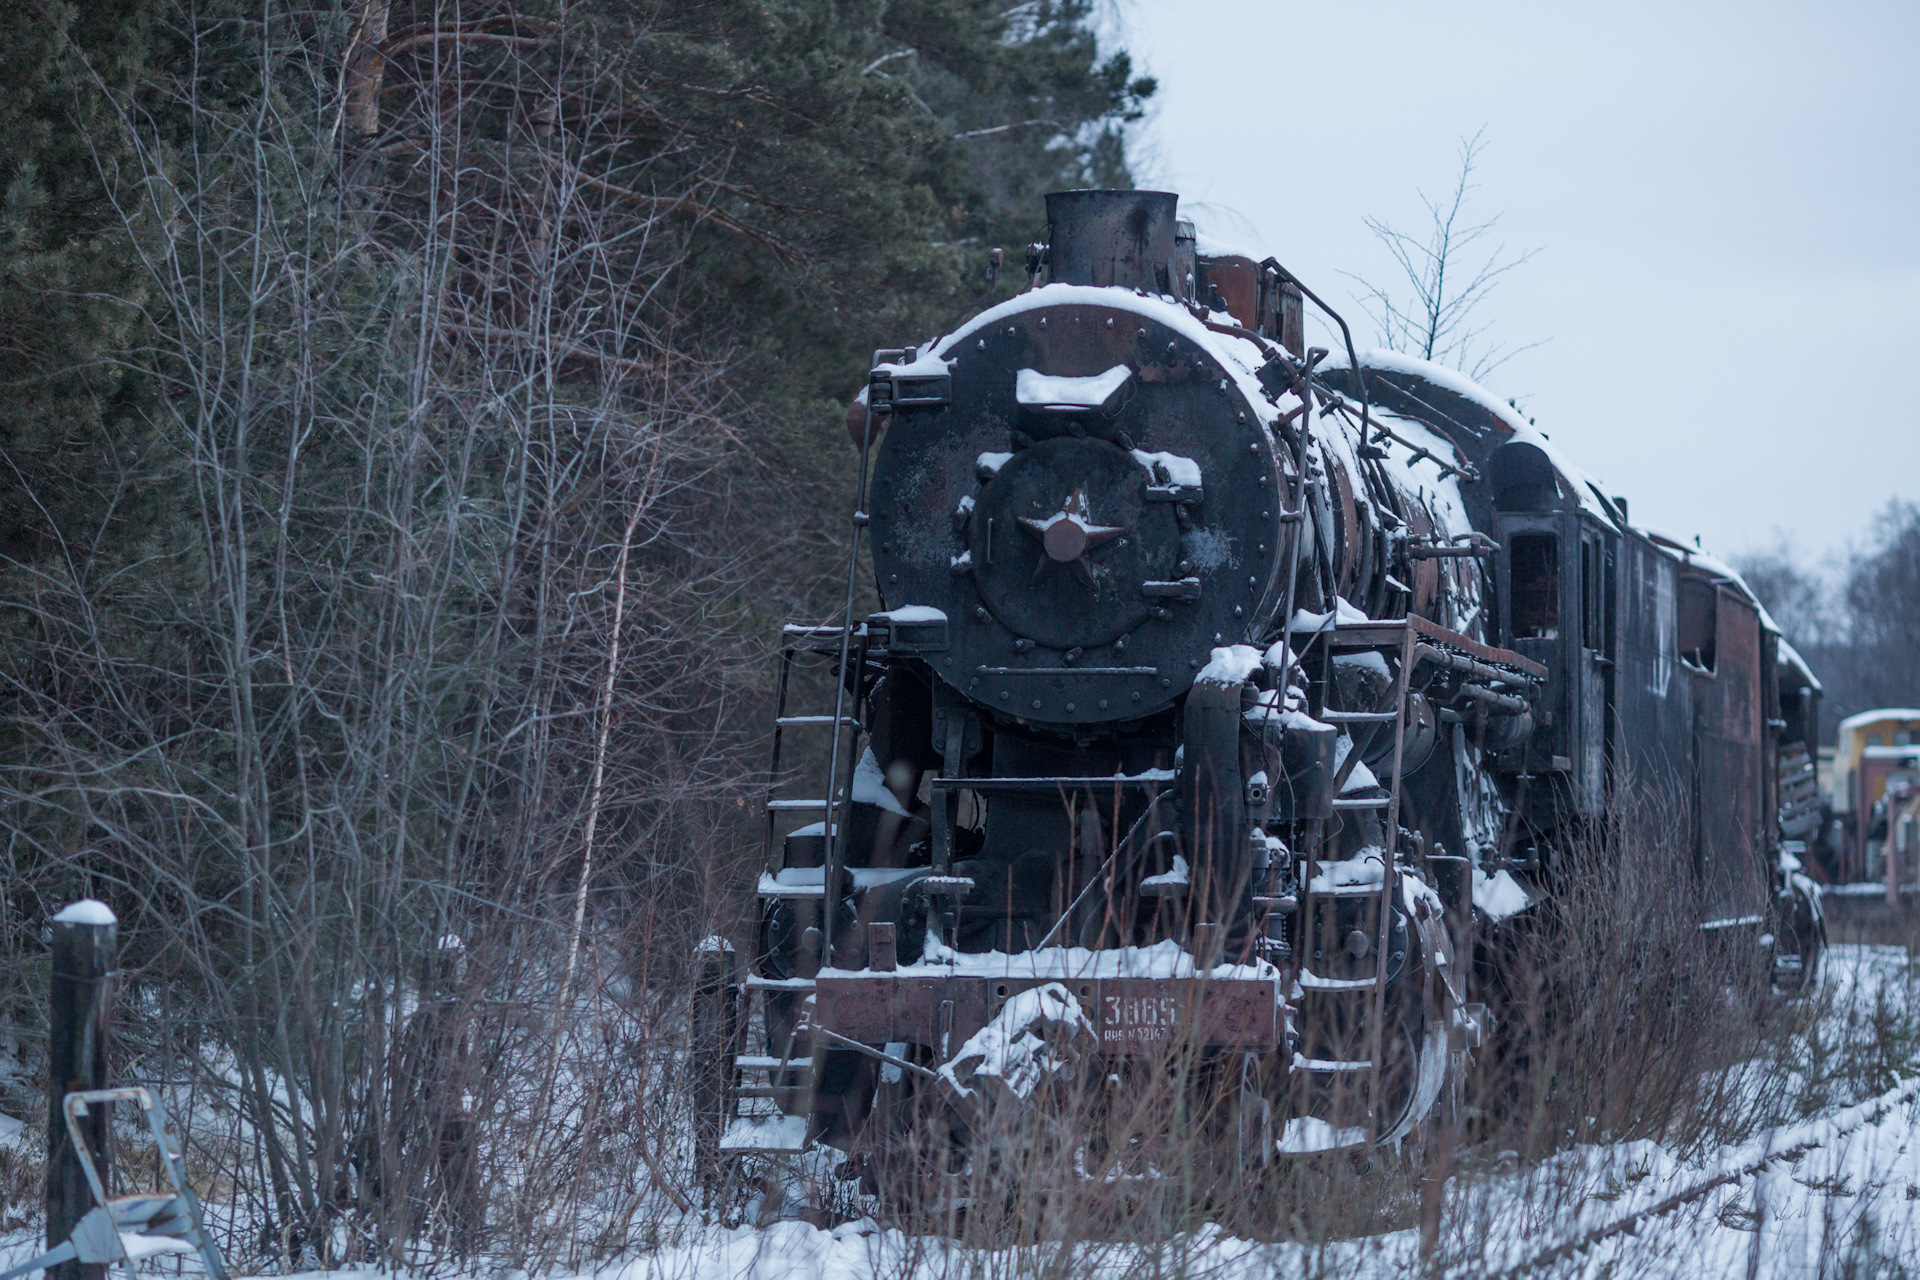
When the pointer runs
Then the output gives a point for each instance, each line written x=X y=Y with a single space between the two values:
x=1558 y=602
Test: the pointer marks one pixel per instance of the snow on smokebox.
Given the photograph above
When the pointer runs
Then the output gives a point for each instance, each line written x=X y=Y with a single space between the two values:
x=1182 y=471
x=1027 y=1041
x=1046 y=391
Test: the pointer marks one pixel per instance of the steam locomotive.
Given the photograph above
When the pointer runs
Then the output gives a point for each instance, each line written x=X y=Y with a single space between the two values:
x=1225 y=689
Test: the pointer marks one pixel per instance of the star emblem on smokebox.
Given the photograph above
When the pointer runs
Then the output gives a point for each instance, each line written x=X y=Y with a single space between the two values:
x=1067 y=535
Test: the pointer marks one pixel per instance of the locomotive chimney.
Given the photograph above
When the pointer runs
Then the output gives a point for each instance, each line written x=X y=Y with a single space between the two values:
x=1124 y=238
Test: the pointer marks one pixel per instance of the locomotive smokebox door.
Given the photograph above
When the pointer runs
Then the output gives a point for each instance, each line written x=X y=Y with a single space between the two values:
x=1096 y=509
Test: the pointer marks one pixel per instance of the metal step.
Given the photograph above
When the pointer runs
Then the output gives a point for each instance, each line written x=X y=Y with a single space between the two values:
x=766 y=1062
x=771 y=888
x=772 y=1135
x=1329 y=1066
x=1349 y=891
x=945 y=886
x=1358 y=717
x=755 y=982
x=789 y=806
x=1310 y=981
x=1380 y=802
x=811 y=719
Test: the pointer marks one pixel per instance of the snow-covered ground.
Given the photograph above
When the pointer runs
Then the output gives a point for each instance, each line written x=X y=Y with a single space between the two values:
x=1834 y=1194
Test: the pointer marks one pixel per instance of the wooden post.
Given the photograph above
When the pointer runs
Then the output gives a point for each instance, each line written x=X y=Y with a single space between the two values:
x=80 y=1007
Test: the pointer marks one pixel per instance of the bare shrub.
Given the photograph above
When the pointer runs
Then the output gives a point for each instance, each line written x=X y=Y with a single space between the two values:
x=22 y=1177
x=1620 y=1014
x=396 y=751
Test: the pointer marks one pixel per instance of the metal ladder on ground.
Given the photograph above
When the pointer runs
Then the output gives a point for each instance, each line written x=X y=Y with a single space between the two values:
x=126 y=1229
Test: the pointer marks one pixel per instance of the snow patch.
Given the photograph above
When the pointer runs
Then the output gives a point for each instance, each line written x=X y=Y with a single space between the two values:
x=1164 y=959
x=1367 y=867
x=1305 y=1134
x=1232 y=664
x=765 y=1133
x=1499 y=895
x=86 y=911
x=926 y=365
x=1176 y=876
x=1239 y=358
x=1307 y=622
x=870 y=784
x=914 y=613
x=1021 y=1045
x=1048 y=391
x=1362 y=777
x=1372 y=661
x=1184 y=472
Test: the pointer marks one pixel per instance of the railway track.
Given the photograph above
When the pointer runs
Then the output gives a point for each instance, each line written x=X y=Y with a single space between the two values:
x=1788 y=1143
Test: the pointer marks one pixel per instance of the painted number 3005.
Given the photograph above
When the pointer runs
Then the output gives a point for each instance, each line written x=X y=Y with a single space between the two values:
x=1137 y=1018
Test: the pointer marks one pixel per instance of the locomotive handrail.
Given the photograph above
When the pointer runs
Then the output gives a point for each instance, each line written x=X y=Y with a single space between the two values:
x=1359 y=376
x=1050 y=784
x=1464 y=469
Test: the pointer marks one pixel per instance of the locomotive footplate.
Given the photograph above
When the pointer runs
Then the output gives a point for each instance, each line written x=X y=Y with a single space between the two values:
x=1133 y=1016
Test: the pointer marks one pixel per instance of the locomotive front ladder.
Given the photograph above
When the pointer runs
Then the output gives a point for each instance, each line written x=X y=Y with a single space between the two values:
x=783 y=1076
x=1326 y=999
x=1417 y=645
x=771 y=1076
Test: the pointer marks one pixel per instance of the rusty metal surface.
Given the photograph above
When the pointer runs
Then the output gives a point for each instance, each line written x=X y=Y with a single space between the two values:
x=1379 y=633
x=1123 y=238
x=1728 y=746
x=1134 y=1016
x=1237 y=280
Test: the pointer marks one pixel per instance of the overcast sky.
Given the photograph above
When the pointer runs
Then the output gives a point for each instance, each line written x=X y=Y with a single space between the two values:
x=1727 y=196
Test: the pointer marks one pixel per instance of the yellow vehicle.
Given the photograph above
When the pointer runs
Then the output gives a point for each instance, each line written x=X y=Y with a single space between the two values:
x=1871 y=748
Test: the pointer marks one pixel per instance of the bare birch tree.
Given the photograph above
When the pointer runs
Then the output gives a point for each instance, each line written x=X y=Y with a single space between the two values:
x=1446 y=274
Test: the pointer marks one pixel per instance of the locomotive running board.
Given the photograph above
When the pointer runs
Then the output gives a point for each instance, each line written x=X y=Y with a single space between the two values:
x=1375 y=633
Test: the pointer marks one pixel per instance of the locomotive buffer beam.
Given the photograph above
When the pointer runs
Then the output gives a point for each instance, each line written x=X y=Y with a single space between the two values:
x=1133 y=1016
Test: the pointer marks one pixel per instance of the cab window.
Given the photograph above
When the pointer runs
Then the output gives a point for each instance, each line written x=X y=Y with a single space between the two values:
x=1699 y=619
x=1534 y=593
